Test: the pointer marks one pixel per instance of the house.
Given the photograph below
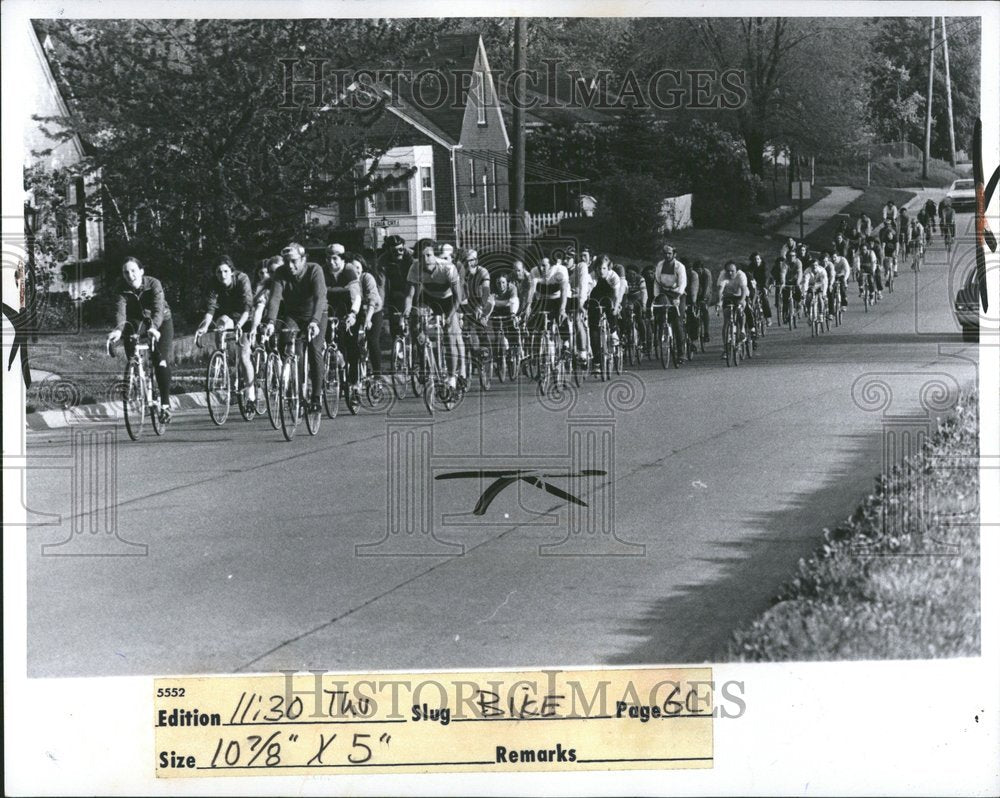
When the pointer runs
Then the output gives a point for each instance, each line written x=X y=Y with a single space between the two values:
x=446 y=150
x=85 y=244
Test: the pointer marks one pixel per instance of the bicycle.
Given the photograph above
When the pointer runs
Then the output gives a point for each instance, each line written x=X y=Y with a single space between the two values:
x=836 y=306
x=507 y=355
x=817 y=313
x=402 y=359
x=888 y=273
x=628 y=330
x=948 y=233
x=437 y=390
x=664 y=345
x=258 y=358
x=789 y=307
x=140 y=393
x=219 y=379
x=294 y=397
x=272 y=385
x=868 y=290
x=551 y=365
x=604 y=356
x=730 y=337
x=918 y=256
x=478 y=358
x=376 y=388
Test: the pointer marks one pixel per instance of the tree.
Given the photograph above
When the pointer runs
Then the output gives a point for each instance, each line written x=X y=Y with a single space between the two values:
x=897 y=80
x=184 y=120
x=800 y=75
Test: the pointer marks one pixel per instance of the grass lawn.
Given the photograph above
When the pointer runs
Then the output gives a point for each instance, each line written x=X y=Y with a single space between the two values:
x=713 y=247
x=895 y=173
x=870 y=202
x=902 y=590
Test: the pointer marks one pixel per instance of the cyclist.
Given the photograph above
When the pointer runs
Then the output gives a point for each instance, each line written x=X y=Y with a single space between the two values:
x=918 y=233
x=669 y=287
x=475 y=296
x=521 y=280
x=299 y=290
x=551 y=285
x=371 y=311
x=704 y=295
x=395 y=262
x=946 y=217
x=262 y=289
x=889 y=238
x=230 y=304
x=607 y=293
x=841 y=277
x=581 y=283
x=815 y=281
x=343 y=293
x=734 y=292
x=864 y=225
x=903 y=234
x=870 y=274
x=445 y=253
x=841 y=245
x=143 y=310
x=889 y=212
x=500 y=311
x=634 y=305
x=930 y=211
x=440 y=291
x=791 y=281
x=757 y=272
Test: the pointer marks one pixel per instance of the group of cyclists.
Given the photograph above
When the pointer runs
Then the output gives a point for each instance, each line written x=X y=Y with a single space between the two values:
x=581 y=296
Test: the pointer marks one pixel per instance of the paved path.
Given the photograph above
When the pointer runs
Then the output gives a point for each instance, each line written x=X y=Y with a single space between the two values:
x=726 y=477
x=816 y=214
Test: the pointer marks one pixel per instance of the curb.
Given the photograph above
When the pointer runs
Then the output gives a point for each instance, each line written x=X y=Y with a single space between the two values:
x=102 y=411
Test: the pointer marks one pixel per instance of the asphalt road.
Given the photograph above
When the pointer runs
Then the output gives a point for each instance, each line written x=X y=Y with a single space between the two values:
x=723 y=477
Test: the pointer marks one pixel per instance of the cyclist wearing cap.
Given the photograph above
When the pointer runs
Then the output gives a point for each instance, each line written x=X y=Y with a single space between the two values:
x=440 y=290
x=475 y=296
x=299 y=290
x=230 y=304
x=669 y=287
x=343 y=293
x=143 y=310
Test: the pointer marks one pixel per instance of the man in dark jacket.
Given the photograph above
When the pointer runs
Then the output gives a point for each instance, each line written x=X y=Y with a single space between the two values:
x=299 y=290
x=394 y=264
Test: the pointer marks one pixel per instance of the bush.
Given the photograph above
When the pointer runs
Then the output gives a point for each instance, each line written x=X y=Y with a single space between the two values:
x=628 y=214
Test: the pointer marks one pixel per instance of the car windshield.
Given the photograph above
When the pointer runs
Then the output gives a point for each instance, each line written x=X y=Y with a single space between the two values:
x=964 y=185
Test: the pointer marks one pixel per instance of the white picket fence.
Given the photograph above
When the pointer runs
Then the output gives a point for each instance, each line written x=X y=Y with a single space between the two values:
x=491 y=231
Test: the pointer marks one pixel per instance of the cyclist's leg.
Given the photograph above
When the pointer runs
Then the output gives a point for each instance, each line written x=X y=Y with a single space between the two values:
x=374 y=336
x=678 y=322
x=593 y=322
x=348 y=343
x=703 y=310
x=162 y=352
x=315 y=356
x=246 y=360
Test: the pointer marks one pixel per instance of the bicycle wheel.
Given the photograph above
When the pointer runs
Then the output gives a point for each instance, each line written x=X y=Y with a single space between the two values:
x=313 y=412
x=155 y=411
x=617 y=359
x=290 y=397
x=134 y=399
x=217 y=388
x=377 y=392
x=400 y=367
x=260 y=380
x=485 y=362
x=272 y=389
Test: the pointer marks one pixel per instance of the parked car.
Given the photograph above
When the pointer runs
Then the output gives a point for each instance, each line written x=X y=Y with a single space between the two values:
x=967 y=308
x=963 y=194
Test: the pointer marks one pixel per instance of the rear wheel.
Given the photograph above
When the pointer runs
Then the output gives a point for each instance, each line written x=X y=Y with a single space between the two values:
x=134 y=400
x=217 y=388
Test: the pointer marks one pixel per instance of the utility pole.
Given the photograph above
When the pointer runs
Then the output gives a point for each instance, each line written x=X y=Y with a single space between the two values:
x=520 y=67
x=947 y=91
x=930 y=102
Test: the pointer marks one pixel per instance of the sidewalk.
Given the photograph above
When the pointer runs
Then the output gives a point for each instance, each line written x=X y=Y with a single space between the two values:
x=818 y=213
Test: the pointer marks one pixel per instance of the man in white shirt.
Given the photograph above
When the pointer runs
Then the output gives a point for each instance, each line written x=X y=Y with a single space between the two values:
x=669 y=287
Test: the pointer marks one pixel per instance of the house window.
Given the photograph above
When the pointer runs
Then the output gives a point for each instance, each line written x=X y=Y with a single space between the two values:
x=472 y=177
x=394 y=199
x=426 y=189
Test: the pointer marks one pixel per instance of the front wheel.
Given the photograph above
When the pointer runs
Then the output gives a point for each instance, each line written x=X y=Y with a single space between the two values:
x=134 y=400
x=485 y=361
x=400 y=367
x=311 y=410
x=272 y=389
x=260 y=381
x=217 y=388
x=290 y=398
